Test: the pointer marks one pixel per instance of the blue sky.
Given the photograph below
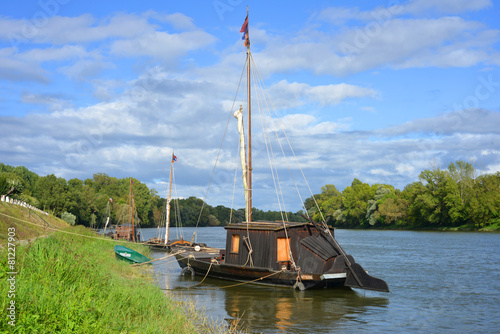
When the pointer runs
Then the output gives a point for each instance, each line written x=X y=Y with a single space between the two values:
x=374 y=90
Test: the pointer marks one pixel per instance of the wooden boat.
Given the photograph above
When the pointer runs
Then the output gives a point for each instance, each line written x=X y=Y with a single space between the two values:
x=165 y=244
x=128 y=231
x=130 y=255
x=302 y=255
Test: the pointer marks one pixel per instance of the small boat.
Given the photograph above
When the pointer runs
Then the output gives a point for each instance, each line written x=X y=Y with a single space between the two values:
x=128 y=231
x=165 y=244
x=302 y=255
x=130 y=255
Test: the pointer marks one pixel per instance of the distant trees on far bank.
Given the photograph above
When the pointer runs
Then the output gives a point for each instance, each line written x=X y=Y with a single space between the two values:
x=455 y=197
x=86 y=202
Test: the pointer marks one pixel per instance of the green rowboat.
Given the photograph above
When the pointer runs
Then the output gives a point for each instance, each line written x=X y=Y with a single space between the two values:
x=130 y=255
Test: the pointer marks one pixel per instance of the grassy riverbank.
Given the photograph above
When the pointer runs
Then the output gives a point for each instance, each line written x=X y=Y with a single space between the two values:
x=29 y=224
x=73 y=284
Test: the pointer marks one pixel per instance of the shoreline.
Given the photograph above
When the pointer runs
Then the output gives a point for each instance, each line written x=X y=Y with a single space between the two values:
x=71 y=281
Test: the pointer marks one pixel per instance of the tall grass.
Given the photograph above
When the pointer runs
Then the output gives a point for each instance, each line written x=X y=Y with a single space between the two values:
x=71 y=284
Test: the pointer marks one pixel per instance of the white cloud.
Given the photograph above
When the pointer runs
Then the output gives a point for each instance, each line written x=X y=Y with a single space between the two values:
x=148 y=111
x=54 y=101
x=444 y=6
x=162 y=45
x=84 y=69
x=382 y=37
x=288 y=95
x=475 y=121
x=180 y=21
x=53 y=54
x=17 y=70
x=81 y=29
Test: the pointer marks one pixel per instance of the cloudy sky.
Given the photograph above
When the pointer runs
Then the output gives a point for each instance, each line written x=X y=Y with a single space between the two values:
x=375 y=90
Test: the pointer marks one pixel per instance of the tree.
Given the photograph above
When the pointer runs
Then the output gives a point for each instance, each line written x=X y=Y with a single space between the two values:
x=394 y=210
x=68 y=218
x=484 y=206
x=434 y=207
x=355 y=203
x=382 y=193
x=51 y=191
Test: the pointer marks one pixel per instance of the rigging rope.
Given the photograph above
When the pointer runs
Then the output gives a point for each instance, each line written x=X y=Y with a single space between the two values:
x=177 y=211
x=274 y=165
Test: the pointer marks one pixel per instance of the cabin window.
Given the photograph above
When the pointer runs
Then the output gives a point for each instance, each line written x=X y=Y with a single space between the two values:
x=235 y=243
x=283 y=249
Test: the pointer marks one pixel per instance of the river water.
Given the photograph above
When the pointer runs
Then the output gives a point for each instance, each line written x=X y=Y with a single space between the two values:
x=440 y=282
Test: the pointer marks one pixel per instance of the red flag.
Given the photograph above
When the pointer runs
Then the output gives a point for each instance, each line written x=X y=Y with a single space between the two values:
x=244 y=30
x=244 y=27
x=174 y=158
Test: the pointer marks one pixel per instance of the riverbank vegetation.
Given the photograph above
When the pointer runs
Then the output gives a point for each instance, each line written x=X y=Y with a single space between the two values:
x=455 y=198
x=85 y=202
x=452 y=198
x=70 y=282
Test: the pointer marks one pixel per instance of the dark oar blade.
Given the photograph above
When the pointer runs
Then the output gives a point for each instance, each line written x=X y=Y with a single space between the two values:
x=368 y=282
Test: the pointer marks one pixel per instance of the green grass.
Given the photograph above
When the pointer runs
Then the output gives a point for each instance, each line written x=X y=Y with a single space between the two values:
x=24 y=221
x=71 y=284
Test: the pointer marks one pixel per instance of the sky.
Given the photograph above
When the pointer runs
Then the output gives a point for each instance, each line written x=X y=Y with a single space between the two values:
x=374 y=90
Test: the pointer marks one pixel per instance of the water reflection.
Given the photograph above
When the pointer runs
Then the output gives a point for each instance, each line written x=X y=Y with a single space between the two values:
x=437 y=293
x=269 y=310
x=283 y=310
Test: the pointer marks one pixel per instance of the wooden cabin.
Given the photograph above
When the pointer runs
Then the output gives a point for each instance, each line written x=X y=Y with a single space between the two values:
x=311 y=251
x=126 y=232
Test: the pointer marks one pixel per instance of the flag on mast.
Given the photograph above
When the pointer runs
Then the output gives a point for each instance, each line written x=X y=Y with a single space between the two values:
x=174 y=158
x=244 y=30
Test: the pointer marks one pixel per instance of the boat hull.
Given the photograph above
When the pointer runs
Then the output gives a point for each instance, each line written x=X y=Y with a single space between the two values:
x=202 y=265
x=161 y=246
x=130 y=255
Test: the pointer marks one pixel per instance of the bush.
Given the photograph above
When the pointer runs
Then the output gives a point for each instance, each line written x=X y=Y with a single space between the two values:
x=68 y=218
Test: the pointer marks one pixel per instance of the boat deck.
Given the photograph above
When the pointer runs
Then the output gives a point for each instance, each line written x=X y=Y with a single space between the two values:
x=200 y=253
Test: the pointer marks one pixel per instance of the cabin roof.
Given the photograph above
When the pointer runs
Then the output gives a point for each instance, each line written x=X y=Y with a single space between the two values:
x=264 y=225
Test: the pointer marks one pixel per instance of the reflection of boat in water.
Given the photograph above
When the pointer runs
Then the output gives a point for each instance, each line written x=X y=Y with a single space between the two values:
x=258 y=310
x=302 y=255
x=165 y=244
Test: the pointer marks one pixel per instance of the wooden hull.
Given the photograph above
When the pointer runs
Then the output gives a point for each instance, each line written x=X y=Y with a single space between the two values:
x=161 y=246
x=201 y=264
x=318 y=262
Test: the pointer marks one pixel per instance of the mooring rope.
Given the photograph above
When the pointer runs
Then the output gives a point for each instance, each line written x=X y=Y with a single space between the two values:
x=161 y=258
x=62 y=231
x=223 y=287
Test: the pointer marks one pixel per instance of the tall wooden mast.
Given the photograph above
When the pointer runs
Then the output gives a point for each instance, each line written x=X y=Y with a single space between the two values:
x=249 y=174
x=131 y=209
x=167 y=224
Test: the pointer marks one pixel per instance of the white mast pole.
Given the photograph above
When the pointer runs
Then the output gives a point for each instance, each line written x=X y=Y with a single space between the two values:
x=167 y=225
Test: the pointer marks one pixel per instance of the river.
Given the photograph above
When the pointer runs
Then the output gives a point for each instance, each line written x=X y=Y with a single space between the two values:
x=440 y=282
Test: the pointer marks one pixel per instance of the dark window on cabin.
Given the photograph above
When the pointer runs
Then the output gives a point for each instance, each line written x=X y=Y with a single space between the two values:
x=235 y=243
x=283 y=249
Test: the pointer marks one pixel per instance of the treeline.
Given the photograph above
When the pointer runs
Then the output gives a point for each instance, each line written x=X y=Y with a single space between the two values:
x=88 y=202
x=453 y=198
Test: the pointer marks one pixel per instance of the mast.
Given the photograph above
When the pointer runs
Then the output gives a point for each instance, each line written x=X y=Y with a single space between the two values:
x=108 y=214
x=167 y=225
x=249 y=174
x=131 y=209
